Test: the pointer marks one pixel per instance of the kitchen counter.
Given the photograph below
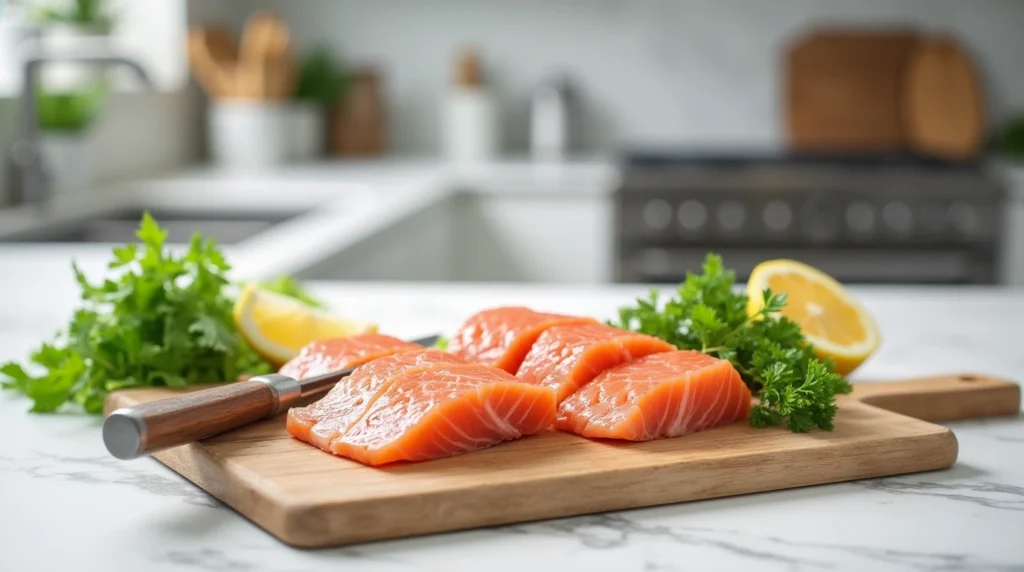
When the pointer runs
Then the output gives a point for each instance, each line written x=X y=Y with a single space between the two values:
x=67 y=504
x=345 y=204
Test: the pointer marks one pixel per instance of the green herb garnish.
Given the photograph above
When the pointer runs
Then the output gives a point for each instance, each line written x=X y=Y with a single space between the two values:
x=289 y=286
x=769 y=351
x=165 y=321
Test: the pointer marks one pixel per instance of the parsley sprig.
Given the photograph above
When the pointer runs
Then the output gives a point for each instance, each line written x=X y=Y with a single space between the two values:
x=164 y=321
x=770 y=352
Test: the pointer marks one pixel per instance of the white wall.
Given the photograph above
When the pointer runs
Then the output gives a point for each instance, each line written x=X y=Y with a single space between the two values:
x=654 y=71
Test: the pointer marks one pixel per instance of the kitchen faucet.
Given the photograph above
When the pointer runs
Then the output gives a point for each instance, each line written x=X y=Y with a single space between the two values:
x=32 y=178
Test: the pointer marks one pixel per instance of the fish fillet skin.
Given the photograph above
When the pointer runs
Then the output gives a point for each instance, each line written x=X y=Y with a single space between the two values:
x=501 y=337
x=324 y=420
x=565 y=358
x=446 y=411
x=661 y=395
x=325 y=356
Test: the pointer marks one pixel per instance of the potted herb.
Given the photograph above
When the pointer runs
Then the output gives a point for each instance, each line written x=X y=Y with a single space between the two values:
x=69 y=96
x=319 y=85
x=1008 y=140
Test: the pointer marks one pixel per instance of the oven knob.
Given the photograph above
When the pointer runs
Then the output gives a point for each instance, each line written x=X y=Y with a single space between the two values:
x=932 y=218
x=657 y=214
x=692 y=215
x=898 y=218
x=777 y=216
x=819 y=220
x=964 y=218
x=860 y=217
x=731 y=216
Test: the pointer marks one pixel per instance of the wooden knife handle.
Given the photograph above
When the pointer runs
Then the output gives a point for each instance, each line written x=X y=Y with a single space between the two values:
x=945 y=397
x=134 y=431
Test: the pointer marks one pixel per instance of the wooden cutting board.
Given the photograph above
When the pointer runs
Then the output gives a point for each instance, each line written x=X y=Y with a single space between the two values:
x=311 y=499
x=943 y=103
x=843 y=90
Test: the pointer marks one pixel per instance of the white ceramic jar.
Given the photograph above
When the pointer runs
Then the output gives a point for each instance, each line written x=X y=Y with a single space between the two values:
x=470 y=126
x=248 y=134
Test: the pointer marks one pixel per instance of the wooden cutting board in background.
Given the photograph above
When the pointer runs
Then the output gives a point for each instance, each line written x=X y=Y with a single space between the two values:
x=308 y=498
x=843 y=90
x=943 y=101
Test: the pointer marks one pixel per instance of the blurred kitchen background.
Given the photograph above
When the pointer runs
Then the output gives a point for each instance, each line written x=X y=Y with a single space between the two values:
x=588 y=141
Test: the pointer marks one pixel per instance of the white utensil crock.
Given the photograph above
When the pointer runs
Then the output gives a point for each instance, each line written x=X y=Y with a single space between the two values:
x=248 y=134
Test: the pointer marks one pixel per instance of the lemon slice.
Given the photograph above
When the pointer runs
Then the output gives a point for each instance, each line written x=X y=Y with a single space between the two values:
x=277 y=326
x=835 y=323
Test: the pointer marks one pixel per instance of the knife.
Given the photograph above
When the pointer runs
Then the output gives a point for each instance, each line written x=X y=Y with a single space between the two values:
x=131 y=432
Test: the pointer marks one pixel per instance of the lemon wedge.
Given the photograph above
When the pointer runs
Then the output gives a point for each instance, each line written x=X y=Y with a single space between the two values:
x=832 y=320
x=278 y=327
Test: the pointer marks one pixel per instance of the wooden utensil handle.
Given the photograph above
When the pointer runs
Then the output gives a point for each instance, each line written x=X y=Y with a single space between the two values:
x=945 y=397
x=134 y=431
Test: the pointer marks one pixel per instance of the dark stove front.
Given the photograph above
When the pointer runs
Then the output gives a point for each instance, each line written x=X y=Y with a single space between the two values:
x=862 y=220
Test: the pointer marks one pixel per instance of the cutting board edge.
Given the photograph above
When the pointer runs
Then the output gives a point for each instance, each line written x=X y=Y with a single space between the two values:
x=312 y=526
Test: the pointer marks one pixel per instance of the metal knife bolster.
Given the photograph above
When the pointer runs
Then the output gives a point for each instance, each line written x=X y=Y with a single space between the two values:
x=286 y=390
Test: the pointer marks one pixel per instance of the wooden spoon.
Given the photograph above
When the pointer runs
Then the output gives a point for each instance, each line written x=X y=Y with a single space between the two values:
x=281 y=76
x=213 y=58
x=264 y=53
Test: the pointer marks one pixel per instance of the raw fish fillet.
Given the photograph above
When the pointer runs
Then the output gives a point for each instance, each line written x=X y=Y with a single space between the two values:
x=446 y=411
x=501 y=337
x=323 y=421
x=325 y=356
x=565 y=358
x=662 y=395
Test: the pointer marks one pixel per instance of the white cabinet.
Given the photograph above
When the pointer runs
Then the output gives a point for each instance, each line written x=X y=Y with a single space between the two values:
x=416 y=248
x=506 y=237
x=502 y=222
x=533 y=237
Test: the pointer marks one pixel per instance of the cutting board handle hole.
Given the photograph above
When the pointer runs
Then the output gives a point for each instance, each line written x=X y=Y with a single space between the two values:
x=968 y=378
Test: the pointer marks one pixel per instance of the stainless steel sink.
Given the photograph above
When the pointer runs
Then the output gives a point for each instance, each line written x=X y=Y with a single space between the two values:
x=119 y=226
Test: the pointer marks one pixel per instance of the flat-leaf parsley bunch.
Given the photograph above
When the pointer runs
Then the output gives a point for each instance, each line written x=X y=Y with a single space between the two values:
x=165 y=321
x=770 y=352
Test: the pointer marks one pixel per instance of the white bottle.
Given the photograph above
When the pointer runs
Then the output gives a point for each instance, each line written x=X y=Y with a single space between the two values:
x=470 y=116
x=549 y=122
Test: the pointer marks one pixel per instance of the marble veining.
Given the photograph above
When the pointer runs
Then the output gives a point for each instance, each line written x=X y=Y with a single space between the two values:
x=990 y=495
x=212 y=559
x=610 y=531
x=105 y=470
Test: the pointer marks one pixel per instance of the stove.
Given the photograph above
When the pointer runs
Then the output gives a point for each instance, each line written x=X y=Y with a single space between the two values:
x=863 y=219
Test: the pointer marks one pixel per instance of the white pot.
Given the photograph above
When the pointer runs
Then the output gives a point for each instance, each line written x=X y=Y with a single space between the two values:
x=248 y=134
x=67 y=159
x=306 y=130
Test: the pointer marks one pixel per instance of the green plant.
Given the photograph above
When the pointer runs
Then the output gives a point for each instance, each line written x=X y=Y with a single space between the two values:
x=291 y=287
x=70 y=111
x=85 y=13
x=1010 y=139
x=320 y=79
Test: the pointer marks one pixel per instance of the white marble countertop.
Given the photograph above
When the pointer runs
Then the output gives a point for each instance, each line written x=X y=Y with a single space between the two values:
x=67 y=505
